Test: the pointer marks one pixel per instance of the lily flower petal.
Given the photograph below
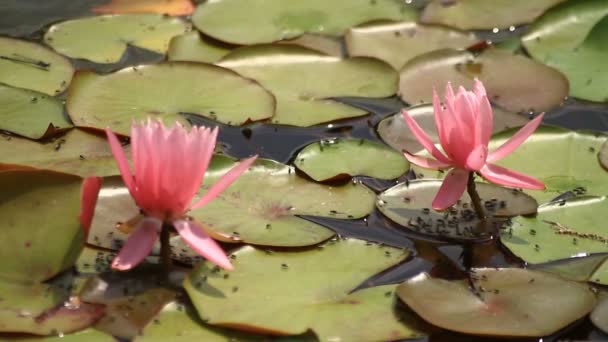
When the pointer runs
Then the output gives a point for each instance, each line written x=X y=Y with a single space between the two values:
x=138 y=245
x=426 y=163
x=121 y=161
x=224 y=182
x=88 y=199
x=500 y=175
x=196 y=238
x=477 y=158
x=423 y=138
x=451 y=189
x=484 y=122
x=516 y=140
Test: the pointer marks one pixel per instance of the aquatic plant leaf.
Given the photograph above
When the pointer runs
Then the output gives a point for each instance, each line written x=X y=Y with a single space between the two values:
x=193 y=47
x=580 y=268
x=571 y=39
x=320 y=77
x=32 y=66
x=261 y=206
x=394 y=131
x=510 y=302
x=480 y=14
x=29 y=113
x=43 y=309
x=331 y=158
x=88 y=335
x=560 y=230
x=164 y=91
x=168 y=7
x=290 y=292
x=599 y=315
x=42 y=235
x=77 y=152
x=104 y=39
x=397 y=43
x=603 y=155
x=504 y=74
x=268 y=21
x=409 y=204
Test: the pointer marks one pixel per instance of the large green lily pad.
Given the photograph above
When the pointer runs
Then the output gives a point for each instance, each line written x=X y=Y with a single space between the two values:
x=31 y=66
x=560 y=230
x=261 y=206
x=77 y=152
x=570 y=38
x=164 y=91
x=193 y=47
x=103 y=39
x=579 y=268
x=41 y=234
x=43 y=309
x=504 y=74
x=409 y=204
x=481 y=14
x=267 y=21
x=29 y=113
x=320 y=77
x=397 y=43
x=330 y=158
x=599 y=316
x=508 y=302
x=290 y=292
x=395 y=132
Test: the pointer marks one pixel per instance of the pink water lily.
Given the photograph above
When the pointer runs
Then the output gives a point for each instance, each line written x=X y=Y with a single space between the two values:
x=464 y=125
x=169 y=165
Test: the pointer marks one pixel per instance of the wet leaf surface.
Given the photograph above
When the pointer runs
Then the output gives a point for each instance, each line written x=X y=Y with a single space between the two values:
x=269 y=21
x=168 y=7
x=320 y=77
x=509 y=302
x=266 y=286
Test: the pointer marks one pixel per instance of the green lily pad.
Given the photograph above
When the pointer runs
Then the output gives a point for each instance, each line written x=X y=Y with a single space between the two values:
x=331 y=158
x=480 y=14
x=288 y=293
x=179 y=322
x=394 y=131
x=409 y=205
x=164 y=91
x=193 y=47
x=600 y=276
x=397 y=43
x=30 y=114
x=508 y=302
x=268 y=21
x=77 y=152
x=603 y=155
x=104 y=39
x=320 y=77
x=599 y=315
x=88 y=335
x=42 y=235
x=42 y=309
x=560 y=230
x=31 y=66
x=261 y=206
x=326 y=44
x=504 y=74
x=570 y=38
x=577 y=268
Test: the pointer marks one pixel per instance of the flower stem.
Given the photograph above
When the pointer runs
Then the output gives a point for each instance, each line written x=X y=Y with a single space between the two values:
x=165 y=248
x=475 y=200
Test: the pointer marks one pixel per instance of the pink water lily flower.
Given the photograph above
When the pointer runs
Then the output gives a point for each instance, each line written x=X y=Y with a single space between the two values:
x=464 y=125
x=169 y=166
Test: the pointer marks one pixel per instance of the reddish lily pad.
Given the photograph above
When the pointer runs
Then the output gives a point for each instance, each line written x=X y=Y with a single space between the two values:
x=397 y=43
x=168 y=7
x=29 y=113
x=290 y=292
x=77 y=152
x=509 y=302
x=268 y=21
x=41 y=222
x=320 y=77
x=104 y=39
x=503 y=73
x=394 y=131
x=31 y=66
x=330 y=158
x=164 y=91
x=43 y=310
x=481 y=14
x=261 y=206
x=409 y=205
